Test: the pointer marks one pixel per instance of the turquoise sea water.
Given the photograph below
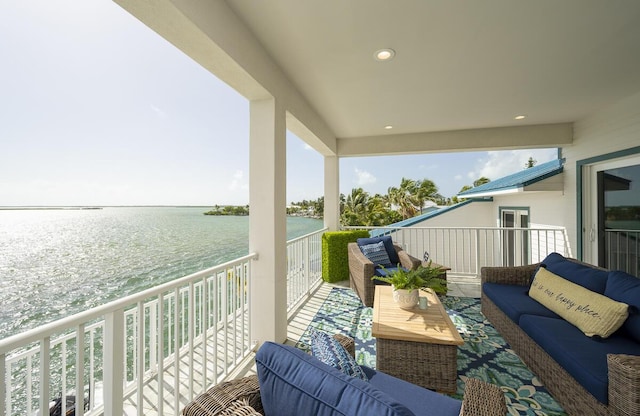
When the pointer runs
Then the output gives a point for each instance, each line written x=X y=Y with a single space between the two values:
x=54 y=263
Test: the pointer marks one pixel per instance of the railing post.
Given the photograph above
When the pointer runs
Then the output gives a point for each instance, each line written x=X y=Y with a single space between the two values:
x=3 y=387
x=477 y=252
x=307 y=268
x=113 y=360
x=79 y=410
x=45 y=372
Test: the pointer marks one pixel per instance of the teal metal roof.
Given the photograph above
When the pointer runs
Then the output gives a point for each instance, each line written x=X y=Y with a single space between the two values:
x=520 y=179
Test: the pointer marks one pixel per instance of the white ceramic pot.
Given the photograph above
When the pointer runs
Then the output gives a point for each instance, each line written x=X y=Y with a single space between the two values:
x=406 y=299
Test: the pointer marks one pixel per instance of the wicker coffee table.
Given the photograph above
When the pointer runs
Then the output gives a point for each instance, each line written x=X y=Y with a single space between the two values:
x=418 y=345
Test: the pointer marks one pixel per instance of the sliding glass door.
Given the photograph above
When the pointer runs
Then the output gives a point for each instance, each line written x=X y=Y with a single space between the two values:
x=619 y=218
x=611 y=214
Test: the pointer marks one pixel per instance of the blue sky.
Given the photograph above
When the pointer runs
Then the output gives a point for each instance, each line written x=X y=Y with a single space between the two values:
x=97 y=109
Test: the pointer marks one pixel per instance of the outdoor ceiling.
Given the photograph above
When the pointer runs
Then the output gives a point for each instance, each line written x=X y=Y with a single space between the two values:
x=459 y=64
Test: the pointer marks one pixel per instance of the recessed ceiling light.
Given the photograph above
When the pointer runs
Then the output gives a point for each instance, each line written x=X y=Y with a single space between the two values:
x=520 y=117
x=384 y=54
x=389 y=127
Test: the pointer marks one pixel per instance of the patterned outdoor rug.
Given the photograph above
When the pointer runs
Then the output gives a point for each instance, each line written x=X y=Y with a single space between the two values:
x=484 y=355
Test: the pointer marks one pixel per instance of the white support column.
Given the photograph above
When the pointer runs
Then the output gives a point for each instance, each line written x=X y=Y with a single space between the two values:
x=332 y=192
x=267 y=221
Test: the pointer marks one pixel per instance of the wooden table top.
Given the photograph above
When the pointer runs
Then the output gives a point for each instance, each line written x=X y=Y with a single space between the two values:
x=431 y=325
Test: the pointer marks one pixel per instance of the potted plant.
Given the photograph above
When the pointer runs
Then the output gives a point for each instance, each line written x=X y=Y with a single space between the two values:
x=406 y=283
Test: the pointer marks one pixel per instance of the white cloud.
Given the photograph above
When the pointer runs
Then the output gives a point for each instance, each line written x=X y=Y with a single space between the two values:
x=307 y=147
x=502 y=163
x=158 y=111
x=238 y=182
x=364 y=177
x=458 y=177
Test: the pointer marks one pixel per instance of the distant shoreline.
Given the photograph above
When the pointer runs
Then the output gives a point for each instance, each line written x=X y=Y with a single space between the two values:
x=44 y=208
x=10 y=208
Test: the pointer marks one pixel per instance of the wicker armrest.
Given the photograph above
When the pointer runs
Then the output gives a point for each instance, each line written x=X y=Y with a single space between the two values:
x=234 y=397
x=517 y=275
x=406 y=259
x=482 y=399
x=624 y=383
x=348 y=343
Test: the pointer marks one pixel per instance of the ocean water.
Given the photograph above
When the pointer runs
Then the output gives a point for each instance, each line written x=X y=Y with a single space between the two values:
x=54 y=263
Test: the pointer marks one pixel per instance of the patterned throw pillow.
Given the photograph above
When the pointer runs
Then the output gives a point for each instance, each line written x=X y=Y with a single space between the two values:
x=326 y=349
x=376 y=253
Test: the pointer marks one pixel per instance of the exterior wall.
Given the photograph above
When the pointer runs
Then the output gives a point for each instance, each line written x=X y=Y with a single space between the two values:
x=612 y=129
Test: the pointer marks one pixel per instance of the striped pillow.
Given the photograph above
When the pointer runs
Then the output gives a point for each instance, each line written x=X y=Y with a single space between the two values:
x=376 y=253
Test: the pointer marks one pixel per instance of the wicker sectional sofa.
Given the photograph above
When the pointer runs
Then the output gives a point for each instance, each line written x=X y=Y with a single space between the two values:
x=586 y=375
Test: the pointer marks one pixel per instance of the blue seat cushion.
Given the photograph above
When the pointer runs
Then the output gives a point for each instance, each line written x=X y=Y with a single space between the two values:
x=387 y=271
x=419 y=400
x=515 y=301
x=583 y=357
x=625 y=288
x=388 y=244
x=293 y=383
x=580 y=274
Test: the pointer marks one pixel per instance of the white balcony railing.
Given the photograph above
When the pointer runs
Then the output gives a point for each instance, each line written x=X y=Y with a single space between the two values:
x=139 y=342
x=465 y=249
x=304 y=267
x=182 y=336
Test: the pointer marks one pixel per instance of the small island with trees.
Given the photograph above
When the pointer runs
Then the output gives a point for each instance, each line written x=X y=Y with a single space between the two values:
x=229 y=210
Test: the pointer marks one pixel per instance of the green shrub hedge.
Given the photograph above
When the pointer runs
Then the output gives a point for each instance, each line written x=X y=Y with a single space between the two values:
x=335 y=262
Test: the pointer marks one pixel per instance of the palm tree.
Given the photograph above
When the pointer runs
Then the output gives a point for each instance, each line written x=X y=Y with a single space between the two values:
x=404 y=198
x=426 y=191
x=355 y=208
x=481 y=181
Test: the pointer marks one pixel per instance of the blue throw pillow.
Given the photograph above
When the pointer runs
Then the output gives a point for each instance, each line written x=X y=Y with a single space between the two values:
x=625 y=288
x=581 y=274
x=388 y=244
x=376 y=253
x=328 y=350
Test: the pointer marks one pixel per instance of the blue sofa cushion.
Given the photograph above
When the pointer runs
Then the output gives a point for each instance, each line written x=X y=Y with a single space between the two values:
x=376 y=253
x=515 y=301
x=625 y=288
x=293 y=383
x=580 y=274
x=388 y=244
x=583 y=357
x=419 y=400
x=328 y=350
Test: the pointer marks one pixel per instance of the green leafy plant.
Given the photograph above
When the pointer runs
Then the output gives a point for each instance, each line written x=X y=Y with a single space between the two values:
x=422 y=277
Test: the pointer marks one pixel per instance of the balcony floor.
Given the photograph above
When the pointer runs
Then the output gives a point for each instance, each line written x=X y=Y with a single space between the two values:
x=300 y=320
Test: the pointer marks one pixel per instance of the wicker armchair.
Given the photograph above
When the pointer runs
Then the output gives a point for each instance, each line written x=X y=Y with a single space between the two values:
x=361 y=271
x=241 y=397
